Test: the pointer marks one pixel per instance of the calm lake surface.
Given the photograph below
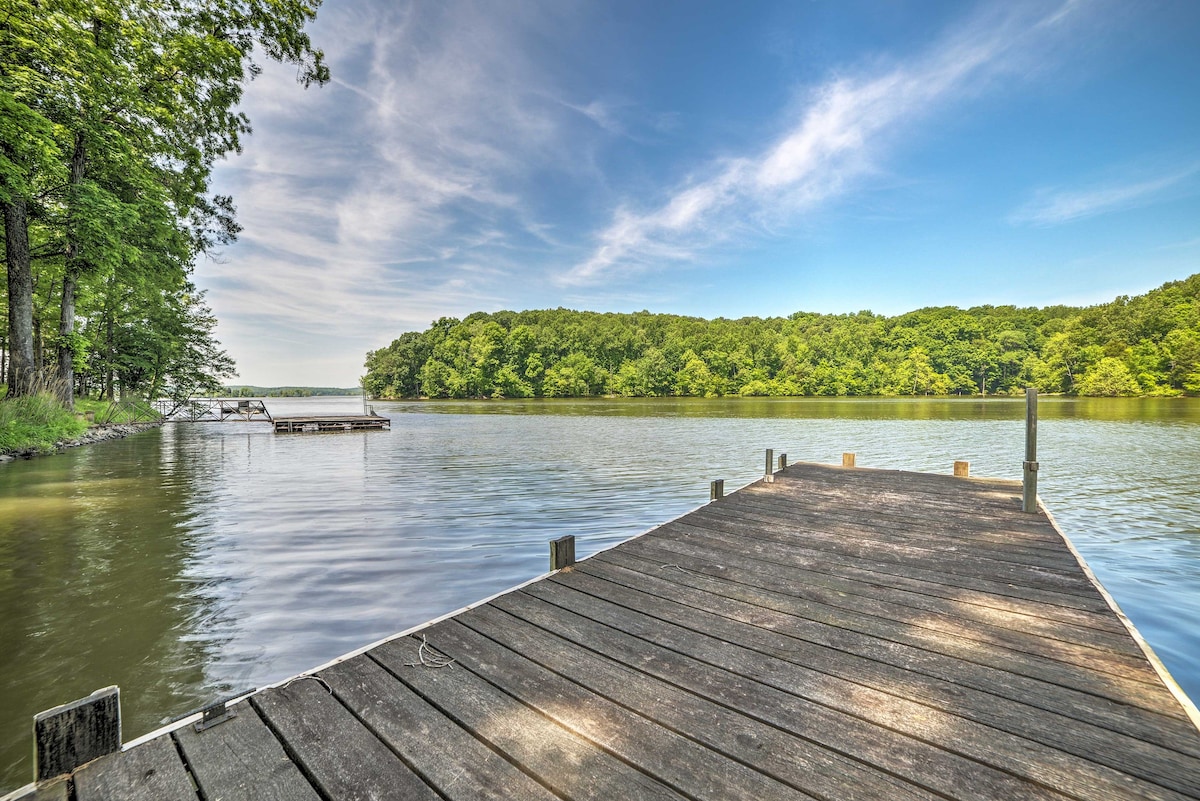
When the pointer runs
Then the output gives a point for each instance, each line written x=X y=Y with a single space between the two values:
x=197 y=560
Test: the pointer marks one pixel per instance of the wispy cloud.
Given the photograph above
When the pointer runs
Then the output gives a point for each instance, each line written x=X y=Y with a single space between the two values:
x=1057 y=206
x=398 y=193
x=834 y=141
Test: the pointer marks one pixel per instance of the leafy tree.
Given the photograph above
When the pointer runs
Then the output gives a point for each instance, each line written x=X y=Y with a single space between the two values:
x=119 y=109
x=1109 y=377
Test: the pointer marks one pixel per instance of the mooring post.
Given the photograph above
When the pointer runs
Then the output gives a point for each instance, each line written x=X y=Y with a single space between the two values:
x=562 y=552
x=716 y=490
x=74 y=734
x=782 y=461
x=769 y=471
x=962 y=469
x=1030 y=468
x=847 y=460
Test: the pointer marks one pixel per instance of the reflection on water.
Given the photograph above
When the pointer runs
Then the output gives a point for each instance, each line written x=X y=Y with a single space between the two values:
x=200 y=559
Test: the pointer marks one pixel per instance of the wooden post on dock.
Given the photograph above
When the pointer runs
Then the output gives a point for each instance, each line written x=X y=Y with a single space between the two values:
x=962 y=469
x=716 y=490
x=847 y=460
x=562 y=552
x=74 y=734
x=783 y=461
x=769 y=471
x=1030 y=468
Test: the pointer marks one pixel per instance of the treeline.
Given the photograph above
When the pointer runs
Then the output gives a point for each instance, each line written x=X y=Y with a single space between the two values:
x=112 y=115
x=244 y=391
x=1145 y=345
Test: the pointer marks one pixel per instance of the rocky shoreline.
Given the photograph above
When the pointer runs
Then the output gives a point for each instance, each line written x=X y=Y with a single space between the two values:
x=90 y=437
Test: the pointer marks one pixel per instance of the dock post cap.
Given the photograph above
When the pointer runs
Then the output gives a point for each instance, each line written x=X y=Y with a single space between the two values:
x=716 y=489
x=962 y=469
x=75 y=733
x=847 y=460
x=562 y=552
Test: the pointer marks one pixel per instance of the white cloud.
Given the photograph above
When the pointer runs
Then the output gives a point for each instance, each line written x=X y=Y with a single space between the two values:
x=835 y=141
x=395 y=194
x=1057 y=206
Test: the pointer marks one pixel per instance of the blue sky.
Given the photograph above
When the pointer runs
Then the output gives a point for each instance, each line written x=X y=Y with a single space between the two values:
x=704 y=158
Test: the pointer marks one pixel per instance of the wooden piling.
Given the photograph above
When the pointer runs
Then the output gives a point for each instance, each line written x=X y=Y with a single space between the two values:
x=782 y=461
x=562 y=552
x=847 y=460
x=1029 y=469
x=962 y=469
x=716 y=490
x=74 y=734
x=769 y=470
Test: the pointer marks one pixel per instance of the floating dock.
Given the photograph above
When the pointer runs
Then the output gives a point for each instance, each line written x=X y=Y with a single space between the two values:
x=329 y=423
x=824 y=633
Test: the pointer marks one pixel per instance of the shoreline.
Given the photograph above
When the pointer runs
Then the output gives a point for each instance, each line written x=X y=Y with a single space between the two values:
x=95 y=434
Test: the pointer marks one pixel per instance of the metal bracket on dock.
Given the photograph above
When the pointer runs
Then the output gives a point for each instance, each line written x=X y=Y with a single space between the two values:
x=214 y=714
x=1032 y=467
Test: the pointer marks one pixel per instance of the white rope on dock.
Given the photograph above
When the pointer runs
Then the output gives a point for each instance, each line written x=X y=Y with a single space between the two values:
x=430 y=657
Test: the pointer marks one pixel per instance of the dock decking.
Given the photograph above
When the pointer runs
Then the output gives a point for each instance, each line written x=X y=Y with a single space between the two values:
x=328 y=423
x=835 y=634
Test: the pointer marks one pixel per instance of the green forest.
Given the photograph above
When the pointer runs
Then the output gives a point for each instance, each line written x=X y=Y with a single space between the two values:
x=1144 y=345
x=112 y=116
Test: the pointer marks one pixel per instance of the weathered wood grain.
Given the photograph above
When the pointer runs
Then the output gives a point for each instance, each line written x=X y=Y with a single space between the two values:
x=903 y=589
x=150 y=772
x=565 y=762
x=1024 y=757
x=926 y=578
x=70 y=735
x=240 y=760
x=616 y=565
x=334 y=749
x=1024 y=633
x=454 y=762
x=670 y=757
x=940 y=531
x=1127 y=741
x=792 y=760
x=921 y=763
x=1058 y=578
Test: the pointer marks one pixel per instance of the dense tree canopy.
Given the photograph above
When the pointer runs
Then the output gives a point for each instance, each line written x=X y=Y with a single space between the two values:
x=1147 y=345
x=112 y=114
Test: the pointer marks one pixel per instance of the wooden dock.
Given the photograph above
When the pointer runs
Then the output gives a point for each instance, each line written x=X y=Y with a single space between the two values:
x=323 y=424
x=832 y=633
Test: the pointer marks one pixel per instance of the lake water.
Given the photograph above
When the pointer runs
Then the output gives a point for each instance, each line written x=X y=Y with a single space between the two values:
x=197 y=560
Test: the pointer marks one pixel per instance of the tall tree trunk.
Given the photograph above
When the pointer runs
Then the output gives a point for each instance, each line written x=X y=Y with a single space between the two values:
x=74 y=266
x=22 y=376
x=108 y=356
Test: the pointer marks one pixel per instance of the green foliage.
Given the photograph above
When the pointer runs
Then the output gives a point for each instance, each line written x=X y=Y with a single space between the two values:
x=36 y=423
x=1109 y=378
x=1149 y=345
x=112 y=115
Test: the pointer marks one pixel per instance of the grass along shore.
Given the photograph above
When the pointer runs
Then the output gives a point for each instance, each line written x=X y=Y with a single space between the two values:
x=39 y=424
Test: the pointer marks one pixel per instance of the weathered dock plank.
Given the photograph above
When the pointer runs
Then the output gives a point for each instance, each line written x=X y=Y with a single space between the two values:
x=334 y=749
x=835 y=633
x=564 y=761
x=150 y=772
x=454 y=762
x=240 y=760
